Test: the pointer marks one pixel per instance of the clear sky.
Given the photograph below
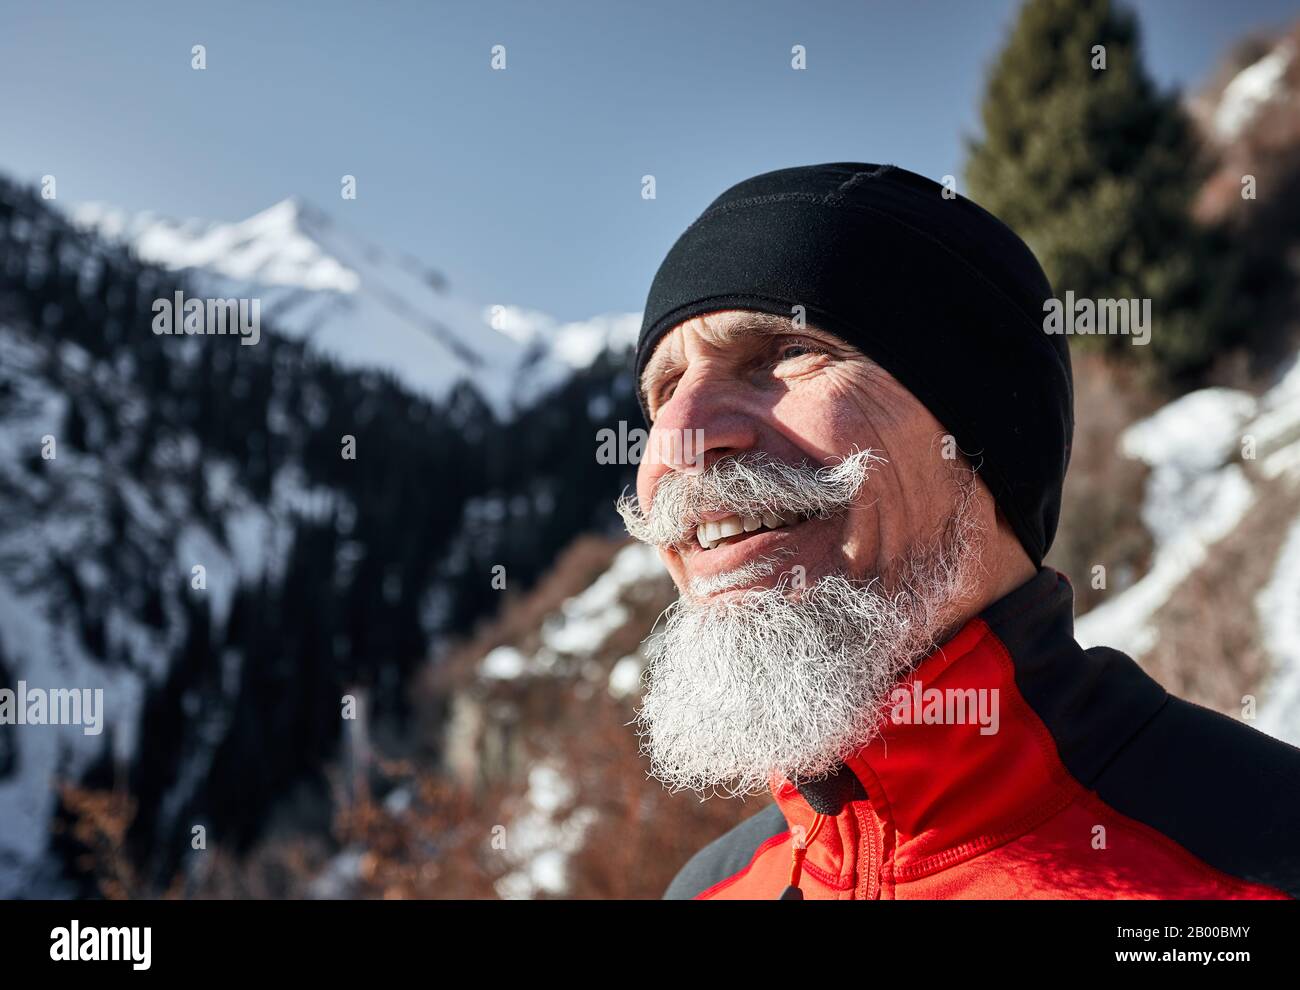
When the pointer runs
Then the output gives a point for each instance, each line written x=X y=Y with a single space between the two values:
x=523 y=185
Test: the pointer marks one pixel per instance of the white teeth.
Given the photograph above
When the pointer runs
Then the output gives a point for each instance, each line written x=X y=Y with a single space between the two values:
x=702 y=534
x=710 y=534
x=730 y=527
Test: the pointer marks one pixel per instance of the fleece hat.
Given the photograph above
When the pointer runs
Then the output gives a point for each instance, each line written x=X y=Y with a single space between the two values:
x=936 y=290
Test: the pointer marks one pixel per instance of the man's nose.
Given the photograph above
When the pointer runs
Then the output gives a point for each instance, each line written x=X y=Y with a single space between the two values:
x=704 y=421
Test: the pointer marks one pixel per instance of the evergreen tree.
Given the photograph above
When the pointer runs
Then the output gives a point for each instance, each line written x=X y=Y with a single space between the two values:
x=1096 y=169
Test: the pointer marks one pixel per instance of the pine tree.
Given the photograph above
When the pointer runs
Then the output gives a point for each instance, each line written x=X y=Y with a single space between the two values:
x=1096 y=169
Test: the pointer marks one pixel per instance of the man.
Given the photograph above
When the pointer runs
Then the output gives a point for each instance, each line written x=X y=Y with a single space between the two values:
x=865 y=628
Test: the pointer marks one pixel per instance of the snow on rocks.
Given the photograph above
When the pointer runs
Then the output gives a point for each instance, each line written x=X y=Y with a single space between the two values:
x=1195 y=496
x=1199 y=490
x=542 y=837
x=1250 y=89
x=583 y=623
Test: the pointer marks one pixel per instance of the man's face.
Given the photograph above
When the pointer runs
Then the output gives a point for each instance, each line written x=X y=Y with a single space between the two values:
x=782 y=648
x=752 y=384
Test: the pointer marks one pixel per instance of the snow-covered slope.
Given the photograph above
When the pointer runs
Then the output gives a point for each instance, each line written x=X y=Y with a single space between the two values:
x=367 y=307
x=80 y=512
x=1210 y=452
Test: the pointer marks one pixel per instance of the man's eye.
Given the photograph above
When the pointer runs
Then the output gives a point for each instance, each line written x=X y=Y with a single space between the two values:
x=797 y=349
x=665 y=392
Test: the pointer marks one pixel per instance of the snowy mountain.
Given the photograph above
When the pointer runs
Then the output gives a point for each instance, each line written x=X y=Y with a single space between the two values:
x=130 y=459
x=367 y=307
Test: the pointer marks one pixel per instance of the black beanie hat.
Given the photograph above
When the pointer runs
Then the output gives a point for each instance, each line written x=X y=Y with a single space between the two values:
x=936 y=290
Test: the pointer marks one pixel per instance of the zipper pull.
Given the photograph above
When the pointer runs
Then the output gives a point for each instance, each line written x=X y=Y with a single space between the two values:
x=800 y=850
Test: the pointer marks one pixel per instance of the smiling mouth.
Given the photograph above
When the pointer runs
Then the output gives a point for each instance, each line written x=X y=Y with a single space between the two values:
x=735 y=528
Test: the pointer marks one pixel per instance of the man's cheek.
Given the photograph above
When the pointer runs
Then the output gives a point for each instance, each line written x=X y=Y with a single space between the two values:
x=858 y=541
x=837 y=423
x=644 y=486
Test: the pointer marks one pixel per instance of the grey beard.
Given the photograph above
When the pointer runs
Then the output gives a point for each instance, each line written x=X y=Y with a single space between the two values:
x=768 y=682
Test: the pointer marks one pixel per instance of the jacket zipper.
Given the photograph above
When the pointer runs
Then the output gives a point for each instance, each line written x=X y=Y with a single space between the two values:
x=868 y=838
x=799 y=850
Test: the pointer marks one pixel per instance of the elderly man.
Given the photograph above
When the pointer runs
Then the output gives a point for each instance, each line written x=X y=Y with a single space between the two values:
x=865 y=627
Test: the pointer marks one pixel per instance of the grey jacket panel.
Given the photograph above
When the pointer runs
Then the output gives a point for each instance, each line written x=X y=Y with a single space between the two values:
x=727 y=855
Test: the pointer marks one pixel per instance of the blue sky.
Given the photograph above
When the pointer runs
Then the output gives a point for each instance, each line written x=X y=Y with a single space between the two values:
x=523 y=186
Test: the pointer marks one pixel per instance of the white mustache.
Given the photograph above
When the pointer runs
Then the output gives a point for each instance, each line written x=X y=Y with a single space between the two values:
x=751 y=484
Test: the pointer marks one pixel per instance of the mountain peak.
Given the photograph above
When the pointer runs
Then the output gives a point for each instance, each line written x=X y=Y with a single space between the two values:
x=289 y=214
x=367 y=306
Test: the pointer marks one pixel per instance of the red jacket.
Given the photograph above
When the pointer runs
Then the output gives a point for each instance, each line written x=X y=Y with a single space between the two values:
x=1092 y=782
